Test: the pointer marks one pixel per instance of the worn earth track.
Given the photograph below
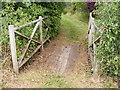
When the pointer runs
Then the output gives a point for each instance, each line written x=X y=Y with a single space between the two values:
x=62 y=57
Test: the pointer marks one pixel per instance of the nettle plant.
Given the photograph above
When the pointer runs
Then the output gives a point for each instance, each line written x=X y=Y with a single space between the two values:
x=19 y=13
x=108 y=51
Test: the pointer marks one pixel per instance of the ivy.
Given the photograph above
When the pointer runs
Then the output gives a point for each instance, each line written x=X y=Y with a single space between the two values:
x=19 y=13
x=108 y=51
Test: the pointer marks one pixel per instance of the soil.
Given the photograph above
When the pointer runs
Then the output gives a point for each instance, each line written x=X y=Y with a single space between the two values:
x=62 y=56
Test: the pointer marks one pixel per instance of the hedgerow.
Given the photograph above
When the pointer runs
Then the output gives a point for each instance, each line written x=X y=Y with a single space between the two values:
x=19 y=13
x=108 y=51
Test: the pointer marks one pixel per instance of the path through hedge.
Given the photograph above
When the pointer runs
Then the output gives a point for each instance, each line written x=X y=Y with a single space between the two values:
x=63 y=62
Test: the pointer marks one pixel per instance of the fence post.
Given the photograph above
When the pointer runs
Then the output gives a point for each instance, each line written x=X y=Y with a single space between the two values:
x=13 y=48
x=41 y=36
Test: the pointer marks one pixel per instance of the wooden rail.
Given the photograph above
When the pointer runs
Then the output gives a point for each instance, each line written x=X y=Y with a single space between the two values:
x=13 y=30
x=92 y=40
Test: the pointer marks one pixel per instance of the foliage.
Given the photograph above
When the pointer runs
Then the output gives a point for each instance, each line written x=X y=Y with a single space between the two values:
x=75 y=6
x=79 y=6
x=78 y=9
x=54 y=11
x=19 y=13
x=109 y=47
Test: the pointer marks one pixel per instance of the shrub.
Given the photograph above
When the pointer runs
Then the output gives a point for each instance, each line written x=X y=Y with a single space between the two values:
x=19 y=13
x=109 y=49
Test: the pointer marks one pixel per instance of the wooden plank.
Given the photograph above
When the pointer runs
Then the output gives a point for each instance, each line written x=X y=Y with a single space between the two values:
x=95 y=70
x=91 y=31
x=29 y=23
x=25 y=50
x=63 y=59
x=90 y=37
x=95 y=41
x=45 y=17
x=89 y=23
x=45 y=24
x=94 y=51
x=26 y=24
x=91 y=58
x=96 y=26
x=13 y=48
x=41 y=34
x=92 y=43
x=46 y=32
x=38 y=47
x=27 y=37
x=24 y=61
x=34 y=30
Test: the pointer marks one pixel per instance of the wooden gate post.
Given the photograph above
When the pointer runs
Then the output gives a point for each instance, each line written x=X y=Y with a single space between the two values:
x=13 y=48
x=41 y=35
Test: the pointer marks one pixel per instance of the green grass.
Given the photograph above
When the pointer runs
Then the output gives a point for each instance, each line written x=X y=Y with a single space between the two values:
x=56 y=81
x=76 y=30
x=83 y=17
x=46 y=80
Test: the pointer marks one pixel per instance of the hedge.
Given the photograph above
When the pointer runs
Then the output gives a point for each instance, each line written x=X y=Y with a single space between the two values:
x=108 y=51
x=19 y=13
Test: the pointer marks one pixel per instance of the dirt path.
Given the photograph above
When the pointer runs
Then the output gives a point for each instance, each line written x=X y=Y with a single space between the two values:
x=62 y=56
x=62 y=64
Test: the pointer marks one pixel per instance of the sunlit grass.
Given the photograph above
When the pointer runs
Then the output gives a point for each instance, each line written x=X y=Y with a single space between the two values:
x=75 y=30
